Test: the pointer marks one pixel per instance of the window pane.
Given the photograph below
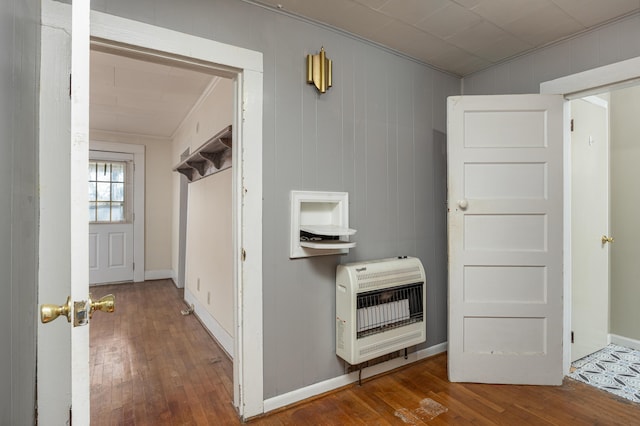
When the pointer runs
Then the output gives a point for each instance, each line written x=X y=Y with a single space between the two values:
x=117 y=192
x=104 y=191
x=117 y=212
x=92 y=191
x=104 y=210
x=104 y=172
x=117 y=172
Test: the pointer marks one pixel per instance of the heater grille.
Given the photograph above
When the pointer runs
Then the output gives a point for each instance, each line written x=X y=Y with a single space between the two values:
x=382 y=310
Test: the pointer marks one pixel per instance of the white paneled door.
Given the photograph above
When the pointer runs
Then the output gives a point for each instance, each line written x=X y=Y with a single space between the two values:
x=505 y=165
x=110 y=217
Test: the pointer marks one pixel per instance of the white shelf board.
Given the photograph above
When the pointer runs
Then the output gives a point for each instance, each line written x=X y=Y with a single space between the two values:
x=328 y=244
x=330 y=230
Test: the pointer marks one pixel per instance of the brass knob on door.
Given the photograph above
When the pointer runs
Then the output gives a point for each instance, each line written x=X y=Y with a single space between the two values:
x=105 y=304
x=606 y=239
x=50 y=312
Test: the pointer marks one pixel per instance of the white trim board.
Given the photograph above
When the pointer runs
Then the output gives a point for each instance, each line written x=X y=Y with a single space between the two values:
x=575 y=86
x=245 y=67
x=158 y=274
x=224 y=339
x=625 y=341
x=346 y=379
x=594 y=80
x=138 y=152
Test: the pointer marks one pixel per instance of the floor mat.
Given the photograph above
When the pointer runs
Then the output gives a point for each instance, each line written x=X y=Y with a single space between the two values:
x=615 y=369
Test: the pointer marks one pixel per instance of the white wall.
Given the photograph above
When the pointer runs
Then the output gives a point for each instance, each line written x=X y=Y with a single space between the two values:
x=625 y=204
x=158 y=198
x=209 y=258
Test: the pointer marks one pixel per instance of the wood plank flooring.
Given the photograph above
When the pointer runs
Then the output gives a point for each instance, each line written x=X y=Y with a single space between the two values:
x=152 y=366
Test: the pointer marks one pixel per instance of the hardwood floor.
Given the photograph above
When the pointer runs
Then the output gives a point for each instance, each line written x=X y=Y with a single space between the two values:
x=152 y=366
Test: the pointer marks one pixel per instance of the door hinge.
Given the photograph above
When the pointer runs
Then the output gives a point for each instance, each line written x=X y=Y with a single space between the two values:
x=572 y=337
x=134 y=266
x=70 y=417
x=69 y=86
x=572 y=124
x=244 y=255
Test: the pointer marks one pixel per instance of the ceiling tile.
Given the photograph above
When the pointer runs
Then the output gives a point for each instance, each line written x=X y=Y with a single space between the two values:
x=361 y=20
x=502 y=12
x=468 y=4
x=593 y=12
x=412 y=11
x=373 y=4
x=489 y=42
x=543 y=25
x=459 y=61
x=449 y=20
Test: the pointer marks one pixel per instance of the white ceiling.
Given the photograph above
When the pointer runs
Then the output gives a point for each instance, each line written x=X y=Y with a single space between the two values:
x=460 y=36
x=137 y=97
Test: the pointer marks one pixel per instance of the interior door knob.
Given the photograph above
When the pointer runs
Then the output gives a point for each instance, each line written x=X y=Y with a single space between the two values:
x=606 y=239
x=105 y=304
x=50 y=312
x=463 y=204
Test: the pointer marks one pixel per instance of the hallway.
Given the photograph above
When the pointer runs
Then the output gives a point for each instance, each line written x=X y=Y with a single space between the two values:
x=152 y=366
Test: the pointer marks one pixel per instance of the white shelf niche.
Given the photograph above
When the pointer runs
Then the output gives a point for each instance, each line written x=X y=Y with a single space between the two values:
x=320 y=215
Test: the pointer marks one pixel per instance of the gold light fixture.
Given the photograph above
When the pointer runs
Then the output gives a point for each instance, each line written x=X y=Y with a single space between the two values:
x=319 y=71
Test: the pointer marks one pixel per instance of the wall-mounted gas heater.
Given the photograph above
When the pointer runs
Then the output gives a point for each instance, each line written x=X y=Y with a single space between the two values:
x=380 y=307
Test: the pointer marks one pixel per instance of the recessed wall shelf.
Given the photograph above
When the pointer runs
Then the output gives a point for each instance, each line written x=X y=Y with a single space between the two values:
x=212 y=157
x=319 y=223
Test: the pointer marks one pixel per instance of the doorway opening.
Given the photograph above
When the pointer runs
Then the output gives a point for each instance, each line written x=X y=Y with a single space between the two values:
x=604 y=267
x=609 y=77
x=167 y=109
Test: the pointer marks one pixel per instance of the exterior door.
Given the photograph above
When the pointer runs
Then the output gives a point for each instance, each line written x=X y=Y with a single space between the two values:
x=505 y=157
x=110 y=217
x=63 y=349
x=589 y=223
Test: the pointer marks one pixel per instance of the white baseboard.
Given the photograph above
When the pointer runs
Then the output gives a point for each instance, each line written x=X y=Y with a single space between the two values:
x=346 y=379
x=625 y=341
x=217 y=331
x=158 y=274
x=174 y=278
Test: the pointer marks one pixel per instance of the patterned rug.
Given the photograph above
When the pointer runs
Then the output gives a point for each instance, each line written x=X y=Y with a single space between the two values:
x=615 y=369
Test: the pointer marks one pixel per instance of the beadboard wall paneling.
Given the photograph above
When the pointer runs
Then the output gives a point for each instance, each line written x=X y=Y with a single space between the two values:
x=377 y=133
x=20 y=49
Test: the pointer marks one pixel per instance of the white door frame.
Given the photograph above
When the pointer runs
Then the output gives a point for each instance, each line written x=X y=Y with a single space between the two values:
x=576 y=86
x=246 y=68
x=138 y=198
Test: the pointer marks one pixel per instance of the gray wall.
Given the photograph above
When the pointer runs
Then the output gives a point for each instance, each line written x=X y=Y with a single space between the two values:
x=19 y=46
x=608 y=44
x=378 y=134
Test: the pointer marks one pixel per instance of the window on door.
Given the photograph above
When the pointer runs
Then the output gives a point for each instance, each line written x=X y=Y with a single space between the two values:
x=107 y=191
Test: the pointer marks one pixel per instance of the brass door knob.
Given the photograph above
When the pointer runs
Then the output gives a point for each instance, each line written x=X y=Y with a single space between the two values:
x=105 y=304
x=50 y=312
x=606 y=239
